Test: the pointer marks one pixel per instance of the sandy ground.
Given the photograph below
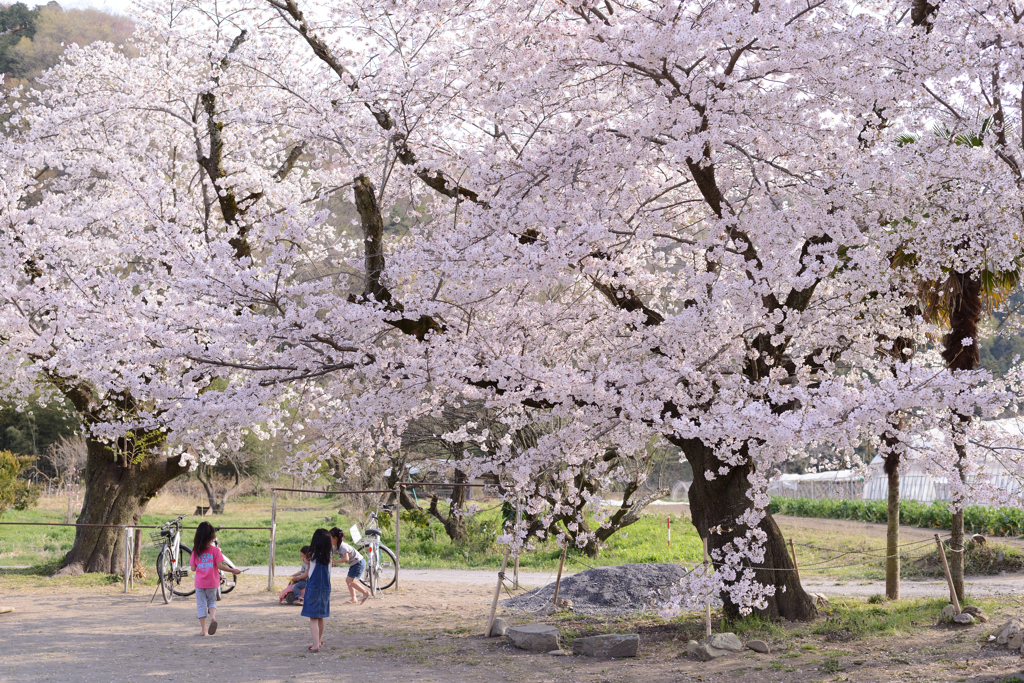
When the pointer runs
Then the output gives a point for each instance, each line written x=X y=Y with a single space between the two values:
x=429 y=631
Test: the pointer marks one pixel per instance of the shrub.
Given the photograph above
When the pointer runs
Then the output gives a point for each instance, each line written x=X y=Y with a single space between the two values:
x=14 y=491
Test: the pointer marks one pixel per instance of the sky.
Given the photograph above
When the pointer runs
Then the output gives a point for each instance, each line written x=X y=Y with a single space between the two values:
x=112 y=6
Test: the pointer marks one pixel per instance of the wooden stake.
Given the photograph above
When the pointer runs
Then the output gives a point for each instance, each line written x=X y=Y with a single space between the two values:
x=949 y=580
x=707 y=601
x=558 y=579
x=515 y=569
x=129 y=544
x=398 y=526
x=273 y=540
x=497 y=592
x=796 y=567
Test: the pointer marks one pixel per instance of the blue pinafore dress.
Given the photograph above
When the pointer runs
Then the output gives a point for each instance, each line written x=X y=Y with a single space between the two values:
x=316 y=601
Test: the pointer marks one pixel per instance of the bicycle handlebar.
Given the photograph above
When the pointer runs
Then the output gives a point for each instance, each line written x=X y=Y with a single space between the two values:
x=175 y=521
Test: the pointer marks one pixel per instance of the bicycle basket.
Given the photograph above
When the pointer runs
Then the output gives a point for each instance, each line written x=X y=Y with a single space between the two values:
x=157 y=537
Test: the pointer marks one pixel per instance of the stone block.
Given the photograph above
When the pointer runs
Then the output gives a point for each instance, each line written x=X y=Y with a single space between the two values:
x=608 y=646
x=534 y=637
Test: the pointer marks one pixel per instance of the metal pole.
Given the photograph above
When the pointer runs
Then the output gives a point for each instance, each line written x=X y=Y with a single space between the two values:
x=558 y=580
x=949 y=580
x=398 y=528
x=497 y=592
x=273 y=540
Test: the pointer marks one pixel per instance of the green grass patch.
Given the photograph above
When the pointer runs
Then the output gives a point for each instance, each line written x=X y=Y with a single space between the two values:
x=424 y=543
x=851 y=619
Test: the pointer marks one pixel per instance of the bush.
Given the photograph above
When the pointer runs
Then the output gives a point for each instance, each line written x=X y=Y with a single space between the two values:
x=15 y=492
x=978 y=519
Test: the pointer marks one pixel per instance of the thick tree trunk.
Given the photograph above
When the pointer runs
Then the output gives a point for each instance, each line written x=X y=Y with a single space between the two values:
x=961 y=352
x=719 y=503
x=114 y=494
x=892 y=537
x=454 y=525
x=205 y=477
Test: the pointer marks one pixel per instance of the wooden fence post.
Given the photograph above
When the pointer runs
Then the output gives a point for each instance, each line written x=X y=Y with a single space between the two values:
x=519 y=519
x=558 y=580
x=398 y=526
x=273 y=539
x=796 y=567
x=949 y=580
x=497 y=592
x=707 y=601
x=129 y=545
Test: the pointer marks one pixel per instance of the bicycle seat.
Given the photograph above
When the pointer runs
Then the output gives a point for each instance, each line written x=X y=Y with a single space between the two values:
x=372 y=532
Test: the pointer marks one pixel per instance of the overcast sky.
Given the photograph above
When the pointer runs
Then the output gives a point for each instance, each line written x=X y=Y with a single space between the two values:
x=112 y=6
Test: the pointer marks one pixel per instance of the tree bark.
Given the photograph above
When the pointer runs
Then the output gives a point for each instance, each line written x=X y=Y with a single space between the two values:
x=204 y=475
x=115 y=493
x=892 y=536
x=454 y=525
x=961 y=354
x=719 y=502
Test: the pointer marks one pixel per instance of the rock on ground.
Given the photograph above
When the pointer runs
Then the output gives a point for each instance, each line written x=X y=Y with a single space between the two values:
x=624 y=589
x=1005 y=633
x=964 y=618
x=498 y=628
x=607 y=646
x=534 y=637
x=759 y=646
x=714 y=646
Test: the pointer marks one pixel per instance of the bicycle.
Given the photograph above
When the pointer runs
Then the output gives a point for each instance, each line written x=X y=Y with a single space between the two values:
x=381 y=564
x=172 y=564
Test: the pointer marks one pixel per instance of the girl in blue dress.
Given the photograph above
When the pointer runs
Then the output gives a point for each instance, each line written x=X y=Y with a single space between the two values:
x=316 y=602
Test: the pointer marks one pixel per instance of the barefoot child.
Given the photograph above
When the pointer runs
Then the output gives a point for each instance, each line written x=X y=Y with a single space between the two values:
x=356 y=565
x=205 y=561
x=316 y=603
x=298 y=579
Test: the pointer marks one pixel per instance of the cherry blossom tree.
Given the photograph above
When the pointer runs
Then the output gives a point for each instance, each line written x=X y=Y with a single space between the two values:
x=127 y=183
x=641 y=221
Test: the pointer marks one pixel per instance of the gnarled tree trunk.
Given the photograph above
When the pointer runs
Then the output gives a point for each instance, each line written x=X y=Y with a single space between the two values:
x=961 y=352
x=115 y=493
x=720 y=502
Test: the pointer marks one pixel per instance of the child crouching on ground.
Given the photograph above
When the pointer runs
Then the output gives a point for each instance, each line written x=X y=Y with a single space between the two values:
x=297 y=583
x=205 y=561
x=356 y=565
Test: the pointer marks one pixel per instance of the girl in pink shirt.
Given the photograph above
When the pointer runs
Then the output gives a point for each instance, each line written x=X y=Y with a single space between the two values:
x=206 y=561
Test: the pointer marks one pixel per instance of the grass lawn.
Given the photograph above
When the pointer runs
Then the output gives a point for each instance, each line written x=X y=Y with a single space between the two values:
x=836 y=555
x=422 y=545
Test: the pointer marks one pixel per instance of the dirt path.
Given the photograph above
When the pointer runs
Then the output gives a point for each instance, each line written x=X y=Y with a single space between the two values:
x=979 y=587
x=428 y=632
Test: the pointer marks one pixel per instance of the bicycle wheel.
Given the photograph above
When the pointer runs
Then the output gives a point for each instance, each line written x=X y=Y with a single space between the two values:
x=367 y=579
x=387 y=568
x=165 y=574
x=228 y=581
x=181 y=573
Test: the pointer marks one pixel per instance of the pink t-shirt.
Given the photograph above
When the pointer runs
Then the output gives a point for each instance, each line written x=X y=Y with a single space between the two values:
x=205 y=567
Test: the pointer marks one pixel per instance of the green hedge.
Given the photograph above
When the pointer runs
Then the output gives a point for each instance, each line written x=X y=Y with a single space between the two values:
x=978 y=519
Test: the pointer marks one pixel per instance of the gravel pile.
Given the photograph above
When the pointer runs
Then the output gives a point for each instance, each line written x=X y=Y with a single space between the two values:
x=617 y=590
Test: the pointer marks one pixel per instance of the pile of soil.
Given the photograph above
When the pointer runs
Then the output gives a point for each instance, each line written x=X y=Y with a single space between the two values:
x=625 y=589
